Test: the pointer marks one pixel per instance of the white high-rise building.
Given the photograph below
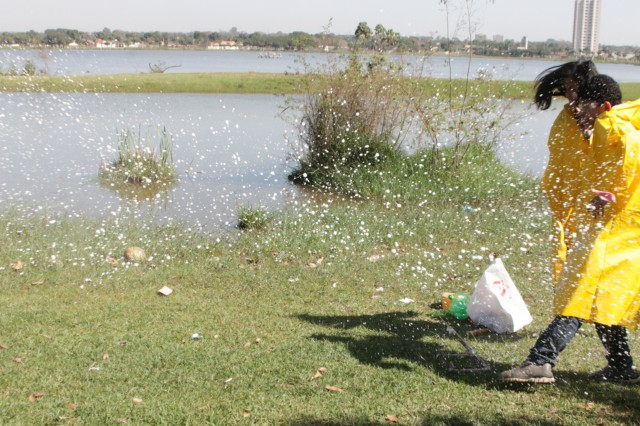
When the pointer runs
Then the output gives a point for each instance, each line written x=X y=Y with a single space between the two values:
x=586 y=26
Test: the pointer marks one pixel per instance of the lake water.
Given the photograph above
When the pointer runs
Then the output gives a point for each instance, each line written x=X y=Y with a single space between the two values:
x=77 y=62
x=230 y=150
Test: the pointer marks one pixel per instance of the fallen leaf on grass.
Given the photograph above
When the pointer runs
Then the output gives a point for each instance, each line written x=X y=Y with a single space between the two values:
x=319 y=373
x=316 y=263
x=36 y=396
x=122 y=420
x=17 y=360
x=16 y=266
x=3 y=346
x=392 y=419
x=105 y=356
x=136 y=400
x=246 y=414
x=316 y=376
x=334 y=389
x=72 y=406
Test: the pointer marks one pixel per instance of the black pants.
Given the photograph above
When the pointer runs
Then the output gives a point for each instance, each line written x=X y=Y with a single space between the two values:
x=562 y=329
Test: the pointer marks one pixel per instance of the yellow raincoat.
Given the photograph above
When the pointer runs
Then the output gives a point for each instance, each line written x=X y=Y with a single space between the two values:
x=562 y=179
x=600 y=281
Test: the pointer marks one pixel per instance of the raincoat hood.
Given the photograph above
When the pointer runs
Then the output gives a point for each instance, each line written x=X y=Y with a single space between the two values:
x=621 y=119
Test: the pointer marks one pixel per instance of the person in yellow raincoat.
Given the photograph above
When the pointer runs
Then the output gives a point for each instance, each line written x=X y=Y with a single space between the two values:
x=599 y=282
x=568 y=149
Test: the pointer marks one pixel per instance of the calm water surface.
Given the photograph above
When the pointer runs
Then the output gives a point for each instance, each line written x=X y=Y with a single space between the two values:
x=77 y=62
x=230 y=151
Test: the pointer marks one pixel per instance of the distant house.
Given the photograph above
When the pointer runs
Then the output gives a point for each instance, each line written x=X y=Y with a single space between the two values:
x=224 y=45
x=106 y=44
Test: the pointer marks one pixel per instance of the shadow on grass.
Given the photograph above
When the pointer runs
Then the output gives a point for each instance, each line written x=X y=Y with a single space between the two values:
x=429 y=420
x=408 y=341
x=622 y=400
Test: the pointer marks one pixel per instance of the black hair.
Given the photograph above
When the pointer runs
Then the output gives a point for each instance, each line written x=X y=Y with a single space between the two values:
x=550 y=82
x=601 y=89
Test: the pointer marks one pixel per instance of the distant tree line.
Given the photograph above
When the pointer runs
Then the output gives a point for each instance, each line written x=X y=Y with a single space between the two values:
x=377 y=39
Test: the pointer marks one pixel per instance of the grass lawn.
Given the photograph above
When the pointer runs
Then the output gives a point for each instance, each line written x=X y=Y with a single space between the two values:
x=240 y=83
x=86 y=339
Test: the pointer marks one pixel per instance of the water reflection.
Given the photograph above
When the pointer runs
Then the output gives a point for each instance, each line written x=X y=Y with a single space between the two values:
x=138 y=194
x=230 y=151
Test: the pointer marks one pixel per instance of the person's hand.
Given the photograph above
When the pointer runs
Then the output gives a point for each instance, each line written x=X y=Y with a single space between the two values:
x=596 y=205
x=598 y=202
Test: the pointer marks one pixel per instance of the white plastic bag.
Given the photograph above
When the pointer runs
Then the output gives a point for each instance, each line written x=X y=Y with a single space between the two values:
x=496 y=303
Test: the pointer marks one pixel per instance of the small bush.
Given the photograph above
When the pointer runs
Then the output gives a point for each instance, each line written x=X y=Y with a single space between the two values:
x=139 y=163
x=356 y=122
x=29 y=68
x=252 y=218
x=359 y=111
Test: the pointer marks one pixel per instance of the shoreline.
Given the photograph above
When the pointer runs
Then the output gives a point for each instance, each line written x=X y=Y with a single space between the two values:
x=231 y=83
x=319 y=51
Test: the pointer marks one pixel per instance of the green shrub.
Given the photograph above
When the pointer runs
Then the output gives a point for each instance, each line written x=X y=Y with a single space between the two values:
x=356 y=122
x=357 y=112
x=252 y=218
x=29 y=68
x=139 y=163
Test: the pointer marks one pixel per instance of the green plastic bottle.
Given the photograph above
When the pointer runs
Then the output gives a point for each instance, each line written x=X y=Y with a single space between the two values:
x=458 y=307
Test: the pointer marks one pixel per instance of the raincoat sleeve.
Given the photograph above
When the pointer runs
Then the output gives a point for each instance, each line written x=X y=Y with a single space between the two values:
x=557 y=181
x=563 y=181
x=617 y=155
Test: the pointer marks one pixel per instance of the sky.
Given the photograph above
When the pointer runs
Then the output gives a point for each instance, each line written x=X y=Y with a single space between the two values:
x=538 y=20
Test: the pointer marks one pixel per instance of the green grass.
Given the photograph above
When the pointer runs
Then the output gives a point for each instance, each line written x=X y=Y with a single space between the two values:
x=240 y=83
x=630 y=91
x=252 y=218
x=156 y=83
x=277 y=304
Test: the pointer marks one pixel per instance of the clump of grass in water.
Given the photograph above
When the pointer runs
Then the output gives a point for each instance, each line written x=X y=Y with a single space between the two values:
x=252 y=218
x=139 y=163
